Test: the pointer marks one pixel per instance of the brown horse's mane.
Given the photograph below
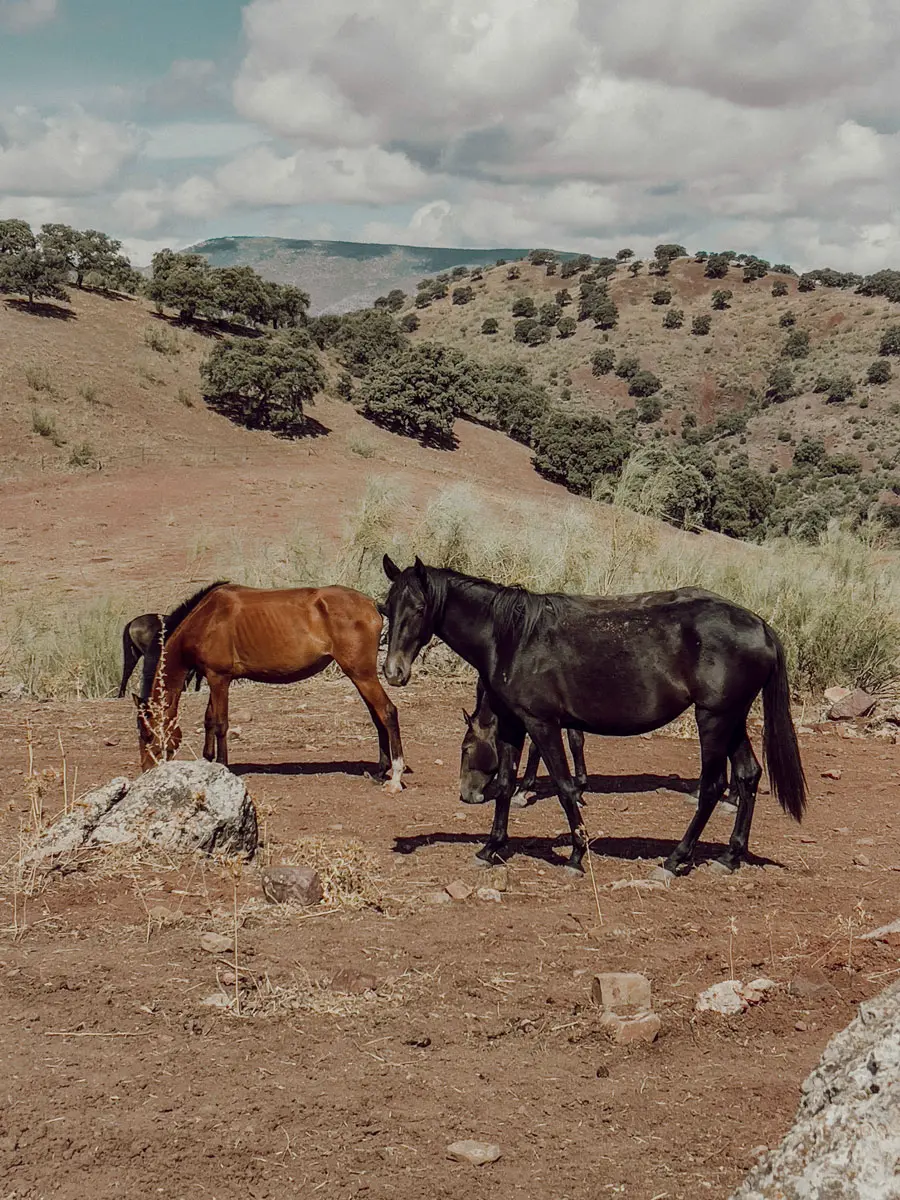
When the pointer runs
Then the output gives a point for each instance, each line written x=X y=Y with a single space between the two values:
x=171 y=622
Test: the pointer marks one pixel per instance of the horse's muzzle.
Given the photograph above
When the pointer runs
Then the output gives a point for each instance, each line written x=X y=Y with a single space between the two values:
x=397 y=673
x=475 y=798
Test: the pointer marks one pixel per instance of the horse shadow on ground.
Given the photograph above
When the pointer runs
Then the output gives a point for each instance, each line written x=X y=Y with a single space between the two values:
x=544 y=849
x=54 y=312
x=361 y=770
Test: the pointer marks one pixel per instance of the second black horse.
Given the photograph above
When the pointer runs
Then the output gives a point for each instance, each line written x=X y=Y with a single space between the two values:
x=618 y=665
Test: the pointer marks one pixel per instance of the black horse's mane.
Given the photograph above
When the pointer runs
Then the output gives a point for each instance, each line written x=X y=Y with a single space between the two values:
x=171 y=622
x=177 y=615
x=516 y=612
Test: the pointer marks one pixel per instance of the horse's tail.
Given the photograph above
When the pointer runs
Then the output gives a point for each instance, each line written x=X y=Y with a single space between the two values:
x=781 y=752
x=129 y=658
x=152 y=655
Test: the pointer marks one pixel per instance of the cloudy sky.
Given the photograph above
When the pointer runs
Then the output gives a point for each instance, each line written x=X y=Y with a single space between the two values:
x=764 y=125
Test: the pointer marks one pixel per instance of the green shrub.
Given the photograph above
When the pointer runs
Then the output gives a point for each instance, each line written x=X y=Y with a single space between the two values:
x=628 y=366
x=674 y=318
x=490 y=325
x=661 y=296
x=602 y=361
x=701 y=325
x=879 y=371
x=797 y=344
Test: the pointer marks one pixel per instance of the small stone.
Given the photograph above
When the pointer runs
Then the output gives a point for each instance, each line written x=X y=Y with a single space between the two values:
x=216 y=943
x=457 y=890
x=642 y=1027
x=812 y=982
x=228 y=978
x=244 y=717
x=645 y=885
x=499 y=877
x=620 y=989
x=807 y=729
x=486 y=893
x=861 y=860
x=235 y=731
x=476 y=1153
x=726 y=998
x=801 y=1026
x=808 y=840
x=865 y=841
x=218 y=1000
x=758 y=990
x=602 y=1072
x=354 y=982
x=460 y=816
x=848 y=708
x=881 y=932
x=834 y=773
x=834 y=694
x=438 y=898
x=291 y=885
x=111 y=742
x=843 y=831
x=662 y=875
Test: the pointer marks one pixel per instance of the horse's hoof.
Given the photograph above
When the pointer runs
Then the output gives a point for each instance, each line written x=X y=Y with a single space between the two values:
x=662 y=875
x=393 y=787
x=520 y=800
x=720 y=868
x=728 y=807
x=483 y=864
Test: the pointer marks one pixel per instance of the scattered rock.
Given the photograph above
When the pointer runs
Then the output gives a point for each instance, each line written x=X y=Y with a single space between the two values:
x=849 y=707
x=476 y=1153
x=726 y=998
x=218 y=1000
x=835 y=694
x=861 y=860
x=878 y=935
x=617 y=990
x=438 y=898
x=499 y=878
x=865 y=841
x=644 y=885
x=834 y=773
x=758 y=990
x=292 y=885
x=457 y=890
x=217 y=943
x=662 y=875
x=845 y=1140
x=807 y=839
x=602 y=1072
x=801 y=1026
x=642 y=1027
x=812 y=982
x=421 y=1043
x=353 y=982
x=486 y=893
x=181 y=807
x=73 y=828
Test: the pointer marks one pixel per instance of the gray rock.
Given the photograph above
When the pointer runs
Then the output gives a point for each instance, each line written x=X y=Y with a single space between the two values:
x=476 y=1153
x=845 y=1141
x=292 y=885
x=217 y=943
x=183 y=807
x=856 y=704
x=72 y=830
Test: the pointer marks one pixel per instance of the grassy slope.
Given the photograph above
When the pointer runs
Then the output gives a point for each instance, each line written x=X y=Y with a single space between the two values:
x=706 y=376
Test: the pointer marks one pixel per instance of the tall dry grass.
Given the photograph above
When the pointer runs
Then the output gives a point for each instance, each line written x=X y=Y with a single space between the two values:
x=836 y=606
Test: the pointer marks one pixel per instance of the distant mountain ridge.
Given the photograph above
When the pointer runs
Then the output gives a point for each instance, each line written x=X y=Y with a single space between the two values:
x=341 y=276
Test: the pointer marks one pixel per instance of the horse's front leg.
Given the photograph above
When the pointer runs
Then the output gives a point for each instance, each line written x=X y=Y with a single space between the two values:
x=509 y=750
x=549 y=740
x=529 y=783
x=216 y=720
x=576 y=745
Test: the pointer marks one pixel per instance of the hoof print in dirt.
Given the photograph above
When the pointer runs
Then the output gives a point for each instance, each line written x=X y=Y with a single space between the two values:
x=292 y=885
x=179 y=807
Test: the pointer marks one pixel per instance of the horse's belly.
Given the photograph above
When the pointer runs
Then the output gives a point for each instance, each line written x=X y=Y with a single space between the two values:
x=288 y=675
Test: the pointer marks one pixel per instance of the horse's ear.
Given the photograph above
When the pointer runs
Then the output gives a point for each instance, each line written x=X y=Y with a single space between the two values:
x=390 y=568
x=420 y=568
x=137 y=700
x=467 y=718
x=381 y=608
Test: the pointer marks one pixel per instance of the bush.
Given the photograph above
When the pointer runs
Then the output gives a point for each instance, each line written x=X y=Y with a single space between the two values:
x=806 y=283
x=523 y=328
x=628 y=366
x=879 y=371
x=842 y=388
x=890 y=341
x=410 y=323
x=716 y=266
x=537 y=335
x=797 y=344
x=459 y=272
x=674 y=318
x=524 y=306
x=810 y=452
x=643 y=383
x=513 y=272
x=720 y=298
x=649 y=408
x=419 y=392
x=549 y=314
x=701 y=325
x=490 y=325
x=462 y=295
x=579 y=451
x=786 y=320
x=563 y=298
x=782 y=385
x=566 y=326
x=661 y=296
x=602 y=361
x=360 y=339
x=779 y=288
x=263 y=383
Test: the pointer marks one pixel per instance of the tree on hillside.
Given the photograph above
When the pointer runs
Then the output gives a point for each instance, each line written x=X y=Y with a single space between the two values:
x=879 y=371
x=364 y=338
x=419 y=392
x=393 y=301
x=31 y=273
x=538 y=257
x=240 y=293
x=605 y=313
x=628 y=366
x=624 y=255
x=490 y=325
x=701 y=325
x=781 y=383
x=797 y=344
x=721 y=297
x=566 y=326
x=890 y=341
x=658 y=266
x=602 y=361
x=779 y=288
x=579 y=451
x=410 y=323
x=716 y=266
x=549 y=313
x=635 y=267
x=84 y=251
x=462 y=295
x=674 y=318
x=287 y=304
x=806 y=283
x=182 y=281
x=644 y=383
x=669 y=251
x=563 y=298
x=265 y=382
x=524 y=306
x=661 y=296
x=509 y=399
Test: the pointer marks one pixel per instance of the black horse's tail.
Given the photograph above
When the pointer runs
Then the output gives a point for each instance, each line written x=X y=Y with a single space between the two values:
x=130 y=656
x=781 y=753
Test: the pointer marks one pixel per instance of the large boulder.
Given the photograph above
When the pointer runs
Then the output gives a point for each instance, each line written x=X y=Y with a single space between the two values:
x=179 y=806
x=845 y=1141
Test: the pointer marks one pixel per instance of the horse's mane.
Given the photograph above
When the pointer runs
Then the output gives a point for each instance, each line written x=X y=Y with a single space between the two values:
x=171 y=622
x=516 y=612
x=177 y=615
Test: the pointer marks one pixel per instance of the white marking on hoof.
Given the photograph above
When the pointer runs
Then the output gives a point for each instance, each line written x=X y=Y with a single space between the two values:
x=394 y=784
x=520 y=800
x=662 y=875
x=727 y=807
x=573 y=872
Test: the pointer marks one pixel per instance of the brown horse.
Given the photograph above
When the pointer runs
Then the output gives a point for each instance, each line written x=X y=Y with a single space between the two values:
x=280 y=636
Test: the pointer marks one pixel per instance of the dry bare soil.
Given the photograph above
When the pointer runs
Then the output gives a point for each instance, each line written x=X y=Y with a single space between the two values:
x=373 y=1033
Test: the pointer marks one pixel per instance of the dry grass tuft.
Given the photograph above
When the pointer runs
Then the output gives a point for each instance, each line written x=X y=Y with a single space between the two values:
x=348 y=871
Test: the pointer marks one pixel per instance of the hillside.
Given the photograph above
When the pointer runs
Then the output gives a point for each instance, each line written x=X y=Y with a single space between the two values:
x=341 y=276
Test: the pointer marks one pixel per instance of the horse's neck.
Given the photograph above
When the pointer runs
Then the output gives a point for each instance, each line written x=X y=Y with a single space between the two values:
x=465 y=625
x=171 y=672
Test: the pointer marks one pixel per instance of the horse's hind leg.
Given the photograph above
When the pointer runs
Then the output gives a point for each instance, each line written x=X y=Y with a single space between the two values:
x=216 y=720
x=384 y=717
x=510 y=737
x=745 y=776
x=528 y=784
x=576 y=745
x=717 y=733
x=549 y=740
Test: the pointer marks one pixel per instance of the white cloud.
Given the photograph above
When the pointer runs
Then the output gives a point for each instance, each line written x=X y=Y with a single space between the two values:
x=68 y=154
x=143 y=209
x=20 y=16
x=199 y=139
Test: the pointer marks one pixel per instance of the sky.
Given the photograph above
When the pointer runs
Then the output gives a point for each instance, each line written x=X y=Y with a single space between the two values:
x=768 y=126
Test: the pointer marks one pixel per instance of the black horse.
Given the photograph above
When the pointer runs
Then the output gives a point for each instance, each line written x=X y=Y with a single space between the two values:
x=142 y=632
x=619 y=666
x=483 y=717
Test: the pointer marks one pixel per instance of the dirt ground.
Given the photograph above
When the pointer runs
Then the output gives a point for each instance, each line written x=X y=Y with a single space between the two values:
x=373 y=1037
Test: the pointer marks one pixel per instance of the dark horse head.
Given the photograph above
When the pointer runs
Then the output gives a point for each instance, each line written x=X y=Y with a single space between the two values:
x=479 y=758
x=410 y=609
